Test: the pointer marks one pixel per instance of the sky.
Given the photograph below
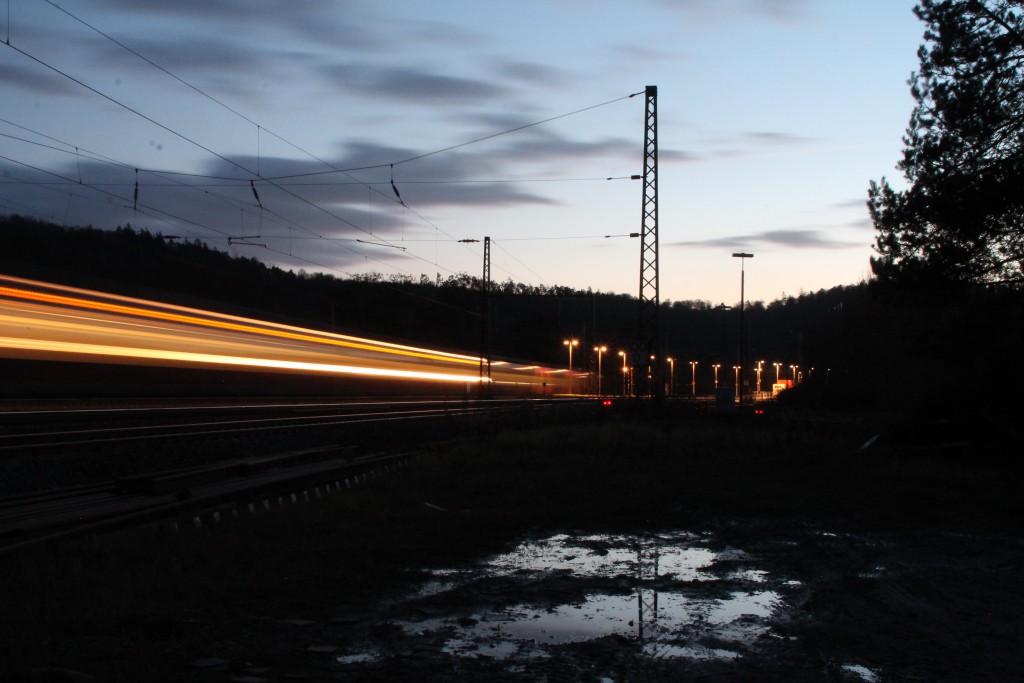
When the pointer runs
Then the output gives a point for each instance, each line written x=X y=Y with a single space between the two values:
x=353 y=137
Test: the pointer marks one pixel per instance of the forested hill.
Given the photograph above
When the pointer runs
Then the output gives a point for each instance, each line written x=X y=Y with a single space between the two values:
x=528 y=322
x=426 y=312
x=872 y=346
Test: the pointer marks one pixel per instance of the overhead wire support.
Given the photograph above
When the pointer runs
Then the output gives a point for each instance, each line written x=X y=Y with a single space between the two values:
x=485 y=323
x=649 y=327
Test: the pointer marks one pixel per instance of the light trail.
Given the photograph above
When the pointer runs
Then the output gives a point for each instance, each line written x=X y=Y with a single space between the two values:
x=41 y=321
x=209 y=319
x=43 y=347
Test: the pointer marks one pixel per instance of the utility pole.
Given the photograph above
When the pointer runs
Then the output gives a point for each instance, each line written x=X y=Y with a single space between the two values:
x=485 y=324
x=485 y=320
x=649 y=328
x=743 y=330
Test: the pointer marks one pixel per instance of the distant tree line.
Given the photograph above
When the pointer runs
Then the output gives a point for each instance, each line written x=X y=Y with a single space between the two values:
x=857 y=346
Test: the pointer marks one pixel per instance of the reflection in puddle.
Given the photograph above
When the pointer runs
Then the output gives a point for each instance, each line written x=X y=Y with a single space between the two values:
x=660 y=621
x=863 y=672
x=688 y=651
x=669 y=594
x=609 y=556
x=360 y=658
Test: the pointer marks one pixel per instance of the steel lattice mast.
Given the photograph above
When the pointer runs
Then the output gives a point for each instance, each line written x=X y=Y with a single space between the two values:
x=650 y=331
x=485 y=323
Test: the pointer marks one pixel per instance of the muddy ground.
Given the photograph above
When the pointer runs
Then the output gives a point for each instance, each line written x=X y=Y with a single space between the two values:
x=627 y=551
x=744 y=601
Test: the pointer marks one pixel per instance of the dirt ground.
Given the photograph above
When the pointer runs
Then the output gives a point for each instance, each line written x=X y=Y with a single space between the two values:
x=737 y=600
x=779 y=552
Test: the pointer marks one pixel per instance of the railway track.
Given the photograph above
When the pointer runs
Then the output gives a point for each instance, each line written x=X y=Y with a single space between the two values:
x=90 y=509
x=124 y=497
x=41 y=429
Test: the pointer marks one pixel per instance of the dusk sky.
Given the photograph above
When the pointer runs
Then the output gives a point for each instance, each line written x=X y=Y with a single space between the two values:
x=774 y=116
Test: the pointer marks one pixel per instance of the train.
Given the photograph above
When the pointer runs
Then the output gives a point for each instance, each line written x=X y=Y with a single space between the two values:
x=60 y=341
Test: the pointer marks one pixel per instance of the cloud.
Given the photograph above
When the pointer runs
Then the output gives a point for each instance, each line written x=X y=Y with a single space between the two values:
x=312 y=19
x=434 y=33
x=859 y=203
x=408 y=84
x=332 y=205
x=532 y=73
x=768 y=137
x=782 y=11
x=199 y=53
x=36 y=80
x=788 y=239
x=445 y=180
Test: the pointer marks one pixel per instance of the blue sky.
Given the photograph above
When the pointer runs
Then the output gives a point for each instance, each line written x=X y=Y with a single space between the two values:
x=773 y=116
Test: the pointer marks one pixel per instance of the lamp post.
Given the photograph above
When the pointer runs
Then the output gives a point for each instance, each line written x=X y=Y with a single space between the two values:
x=625 y=374
x=716 y=366
x=777 y=366
x=741 y=256
x=794 y=368
x=736 y=369
x=671 y=375
x=600 y=351
x=758 y=387
x=570 y=343
x=693 y=378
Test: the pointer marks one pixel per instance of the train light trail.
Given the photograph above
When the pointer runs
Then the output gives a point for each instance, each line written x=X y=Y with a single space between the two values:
x=88 y=350
x=41 y=321
x=106 y=303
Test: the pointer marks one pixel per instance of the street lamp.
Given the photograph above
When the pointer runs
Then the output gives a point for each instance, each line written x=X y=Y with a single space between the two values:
x=794 y=368
x=600 y=351
x=671 y=375
x=741 y=256
x=758 y=387
x=736 y=369
x=777 y=366
x=570 y=343
x=716 y=366
x=693 y=378
x=625 y=374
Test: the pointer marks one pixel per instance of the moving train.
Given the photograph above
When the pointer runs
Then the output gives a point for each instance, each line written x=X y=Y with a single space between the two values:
x=65 y=341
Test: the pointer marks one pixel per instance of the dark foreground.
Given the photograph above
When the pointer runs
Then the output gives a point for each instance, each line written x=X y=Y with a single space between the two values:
x=695 y=549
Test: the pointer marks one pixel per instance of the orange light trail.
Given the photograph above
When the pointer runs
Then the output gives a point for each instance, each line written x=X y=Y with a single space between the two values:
x=221 y=323
x=44 y=321
x=212 y=359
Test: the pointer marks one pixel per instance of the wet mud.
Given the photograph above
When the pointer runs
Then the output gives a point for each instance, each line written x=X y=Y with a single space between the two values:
x=747 y=601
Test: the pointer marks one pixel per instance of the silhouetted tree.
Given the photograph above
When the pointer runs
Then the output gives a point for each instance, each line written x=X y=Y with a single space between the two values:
x=960 y=220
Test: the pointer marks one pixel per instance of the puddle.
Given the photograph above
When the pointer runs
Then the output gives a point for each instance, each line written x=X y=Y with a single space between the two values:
x=658 y=621
x=609 y=556
x=672 y=605
x=862 y=672
x=669 y=594
x=359 y=658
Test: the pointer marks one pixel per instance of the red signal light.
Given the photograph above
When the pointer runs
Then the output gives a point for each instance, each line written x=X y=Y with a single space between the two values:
x=607 y=402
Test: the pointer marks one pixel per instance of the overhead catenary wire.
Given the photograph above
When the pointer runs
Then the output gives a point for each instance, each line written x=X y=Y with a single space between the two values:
x=232 y=239
x=204 y=148
x=272 y=181
x=95 y=156
x=334 y=169
x=177 y=134
x=459 y=145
